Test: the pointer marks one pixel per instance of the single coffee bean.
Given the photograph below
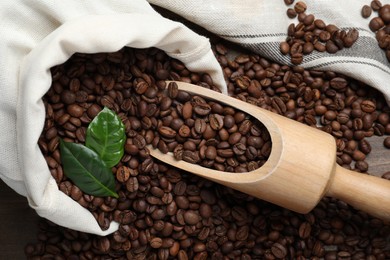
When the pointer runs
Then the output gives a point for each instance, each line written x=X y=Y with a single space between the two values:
x=368 y=106
x=331 y=28
x=211 y=152
x=308 y=20
x=331 y=47
x=132 y=184
x=376 y=5
x=68 y=97
x=350 y=38
x=386 y=175
x=200 y=126
x=190 y=146
x=338 y=83
x=291 y=13
x=362 y=166
x=296 y=58
x=216 y=121
x=279 y=250
x=288 y=2
x=187 y=110
x=300 y=7
x=304 y=230
x=365 y=146
x=190 y=156
x=386 y=142
x=242 y=233
x=308 y=48
x=284 y=47
x=319 y=47
x=366 y=11
x=123 y=174
x=384 y=118
x=182 y=255
x=156 y=242
x=202 y=109
x=75 y=110
x=173 y=90
x=191 y=217
x=184 y=131
x=296 y=48
x=167 y=132
x=376 y=23
x=384 y=13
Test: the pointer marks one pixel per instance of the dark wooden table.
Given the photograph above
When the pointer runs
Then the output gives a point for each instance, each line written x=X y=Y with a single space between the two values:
x=19 y=222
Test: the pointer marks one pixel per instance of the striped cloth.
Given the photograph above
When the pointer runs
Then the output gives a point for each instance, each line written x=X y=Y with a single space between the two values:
x=261 y=25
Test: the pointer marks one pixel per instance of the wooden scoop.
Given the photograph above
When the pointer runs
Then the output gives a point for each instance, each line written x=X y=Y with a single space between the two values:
x=300 y=170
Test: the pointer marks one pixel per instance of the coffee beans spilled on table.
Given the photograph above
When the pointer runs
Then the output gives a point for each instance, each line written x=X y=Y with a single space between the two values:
x=379 y=24
x=165 y=213
x=311 y=34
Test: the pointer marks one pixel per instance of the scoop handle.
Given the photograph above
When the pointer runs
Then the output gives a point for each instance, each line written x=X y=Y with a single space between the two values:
x=362 y=191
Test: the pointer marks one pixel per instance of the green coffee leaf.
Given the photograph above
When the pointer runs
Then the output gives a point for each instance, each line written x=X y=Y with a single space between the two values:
x=85 y=168
x=106 y=136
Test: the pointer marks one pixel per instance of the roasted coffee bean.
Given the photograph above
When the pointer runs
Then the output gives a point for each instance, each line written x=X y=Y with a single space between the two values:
x=386 y=142
x=308 y=48
x=216 y=121
x=187 y=110
x=331 y=47
x=366 y=11
x=365 y=146
x=93 y=110
x=132 y=184
x=68 y=97
x=167 y=132
x=172 y=90
x=284 y=47
x=191 y=217
x=300 y=7
x=279 y=250
x=376 y=23
x=202 y=109
x=350 y=38
x=304 y=230
x=296 y=58
x=362 y=166
x=384 y=13
x=211 y=152
x=191 y=156
x=200 y=126
x=291 y=13
x=368 y=106
x=386 y=175
x=123 y=174
x=376 y=5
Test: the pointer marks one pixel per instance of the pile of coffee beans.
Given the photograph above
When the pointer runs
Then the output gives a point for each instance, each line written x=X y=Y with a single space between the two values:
x=193 y=129
x=165 y=213
x=340 y=106
x=313 y=34
x=379 y=24
x=197 y=131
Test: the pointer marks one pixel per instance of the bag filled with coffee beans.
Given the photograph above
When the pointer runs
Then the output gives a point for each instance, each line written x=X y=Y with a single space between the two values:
x=37 y=35
x=349 y=37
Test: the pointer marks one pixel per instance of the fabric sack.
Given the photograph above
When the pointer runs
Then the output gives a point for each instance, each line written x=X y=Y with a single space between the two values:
x=37 y=35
